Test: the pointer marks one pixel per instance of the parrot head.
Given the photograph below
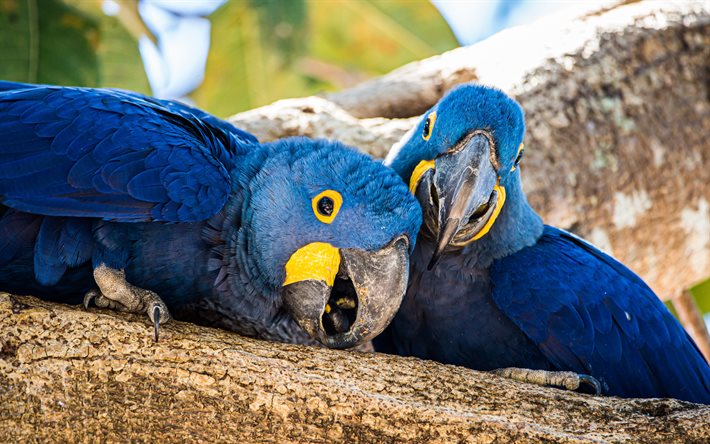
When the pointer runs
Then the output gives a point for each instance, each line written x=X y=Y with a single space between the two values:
x=331 y=230
x=458 y=161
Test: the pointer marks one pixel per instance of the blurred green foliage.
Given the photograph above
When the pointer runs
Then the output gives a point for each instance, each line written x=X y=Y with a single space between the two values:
x=701 y=293
x=261 y=50
x=265 y=50
x=67 y=42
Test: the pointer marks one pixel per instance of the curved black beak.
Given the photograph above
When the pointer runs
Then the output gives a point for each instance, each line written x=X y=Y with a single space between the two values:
x=465 y=182
x=361 y=302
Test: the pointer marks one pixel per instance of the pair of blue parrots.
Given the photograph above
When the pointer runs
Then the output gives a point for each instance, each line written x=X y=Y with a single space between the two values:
x=142 y=205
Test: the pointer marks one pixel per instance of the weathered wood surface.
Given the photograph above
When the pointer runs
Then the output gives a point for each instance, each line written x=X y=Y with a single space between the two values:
x=75 y=376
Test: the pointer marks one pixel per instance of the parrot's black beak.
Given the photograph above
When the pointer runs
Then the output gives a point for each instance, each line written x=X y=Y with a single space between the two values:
x=363 y=299
x=461 y=196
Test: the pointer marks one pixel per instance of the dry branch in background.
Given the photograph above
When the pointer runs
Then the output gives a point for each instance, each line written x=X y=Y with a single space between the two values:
x=617 y=150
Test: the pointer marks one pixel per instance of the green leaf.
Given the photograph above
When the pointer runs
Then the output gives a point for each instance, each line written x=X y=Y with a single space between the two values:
x=119 y=60
x=68 y=42
x=701 y=292
x=373 y=37
x=264 y=50
x=47 y=42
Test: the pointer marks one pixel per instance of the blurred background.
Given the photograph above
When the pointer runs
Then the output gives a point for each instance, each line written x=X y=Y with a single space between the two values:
x=229 y=56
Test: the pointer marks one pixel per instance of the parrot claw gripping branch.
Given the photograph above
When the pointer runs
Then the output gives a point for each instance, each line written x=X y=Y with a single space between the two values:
x=120 y=198
x=493 y=288
x=117 y=294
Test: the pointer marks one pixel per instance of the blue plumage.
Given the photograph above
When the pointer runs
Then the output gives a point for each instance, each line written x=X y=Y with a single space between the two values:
x=148 y=163
x=524 y=294
x=189 y=206
x=603 y=320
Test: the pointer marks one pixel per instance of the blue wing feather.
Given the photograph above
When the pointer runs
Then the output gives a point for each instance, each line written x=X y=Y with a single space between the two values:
x=603 y=321
x=48 y=264
x=75 y=242
x=112 y=154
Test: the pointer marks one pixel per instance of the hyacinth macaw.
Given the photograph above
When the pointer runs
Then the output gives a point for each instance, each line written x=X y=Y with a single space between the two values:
x=145 y=205
x=492 y=287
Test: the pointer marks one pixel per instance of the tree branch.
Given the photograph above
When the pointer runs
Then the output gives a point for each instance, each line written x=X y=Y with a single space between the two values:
x=71 y=375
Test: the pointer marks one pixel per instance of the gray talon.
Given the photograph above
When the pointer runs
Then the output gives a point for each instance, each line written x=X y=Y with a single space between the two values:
x=591 y=382
x=156 y=322
x=568 y=380
x=91 y=294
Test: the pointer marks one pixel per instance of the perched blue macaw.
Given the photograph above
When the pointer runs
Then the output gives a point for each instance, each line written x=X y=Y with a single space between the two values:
x=122 y=197
x=492 y=287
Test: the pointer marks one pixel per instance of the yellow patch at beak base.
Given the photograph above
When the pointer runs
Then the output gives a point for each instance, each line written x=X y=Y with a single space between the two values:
x=419 y=170
x=499 y=206
x=317 y=261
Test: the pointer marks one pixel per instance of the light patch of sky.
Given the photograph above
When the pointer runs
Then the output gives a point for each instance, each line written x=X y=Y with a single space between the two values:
x=474 y=20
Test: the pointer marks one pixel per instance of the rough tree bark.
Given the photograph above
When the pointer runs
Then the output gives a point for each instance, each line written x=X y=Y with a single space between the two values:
x=71 y=375
x=618 y=118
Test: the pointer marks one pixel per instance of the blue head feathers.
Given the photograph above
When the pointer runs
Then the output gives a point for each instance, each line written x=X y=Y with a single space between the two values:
x=459 y=160
x=372 y=206
x=464 y=110
x=329 y=228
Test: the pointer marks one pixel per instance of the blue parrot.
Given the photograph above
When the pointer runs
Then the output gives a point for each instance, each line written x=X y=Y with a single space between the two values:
x=146 y=205
x=492 y=287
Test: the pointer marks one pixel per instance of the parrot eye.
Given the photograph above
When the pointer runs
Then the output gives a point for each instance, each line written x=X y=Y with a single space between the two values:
x=326 y=205
x=518 y=157
x=429 y=125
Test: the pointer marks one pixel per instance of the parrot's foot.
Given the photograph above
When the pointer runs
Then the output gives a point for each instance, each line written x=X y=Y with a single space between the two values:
x=568 y=380
x=117 y=294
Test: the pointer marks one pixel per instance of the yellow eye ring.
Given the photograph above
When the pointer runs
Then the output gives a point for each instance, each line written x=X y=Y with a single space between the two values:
x=326 y=205
x=429 y=125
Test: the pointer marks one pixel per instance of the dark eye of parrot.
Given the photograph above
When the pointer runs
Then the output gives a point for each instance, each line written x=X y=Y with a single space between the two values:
x=326 y=205
x=518 y=157
x=429 y=125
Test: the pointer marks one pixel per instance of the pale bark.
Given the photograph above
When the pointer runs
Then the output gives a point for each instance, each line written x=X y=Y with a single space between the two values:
x=76 y=376
x=617 y=150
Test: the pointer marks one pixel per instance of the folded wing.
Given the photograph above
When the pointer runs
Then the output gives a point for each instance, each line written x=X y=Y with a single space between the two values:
x=590 y=314
x=113 y=155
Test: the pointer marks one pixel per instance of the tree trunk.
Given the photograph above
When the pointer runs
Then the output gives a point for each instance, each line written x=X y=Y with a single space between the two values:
x=74 y=376
x=617 y=150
